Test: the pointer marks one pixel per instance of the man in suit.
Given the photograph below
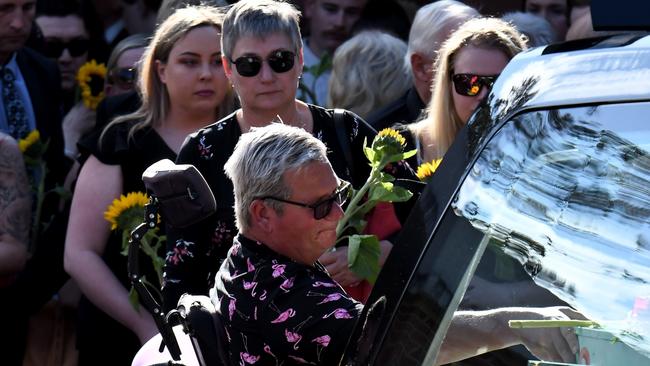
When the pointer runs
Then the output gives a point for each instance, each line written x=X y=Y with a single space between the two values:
x=31 y=91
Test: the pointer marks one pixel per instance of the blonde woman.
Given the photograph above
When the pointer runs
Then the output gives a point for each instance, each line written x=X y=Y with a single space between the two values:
x=364 y=77
x=183 y=88
x=468 y=64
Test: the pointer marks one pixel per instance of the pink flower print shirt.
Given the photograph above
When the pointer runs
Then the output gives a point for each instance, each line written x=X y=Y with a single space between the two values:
x=279 y=312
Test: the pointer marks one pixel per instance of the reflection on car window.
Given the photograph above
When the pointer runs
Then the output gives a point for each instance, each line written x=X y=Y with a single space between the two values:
x=566 y=193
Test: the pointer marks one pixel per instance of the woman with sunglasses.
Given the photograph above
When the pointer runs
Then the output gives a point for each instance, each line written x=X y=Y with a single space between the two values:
x=183 y=88
x=263 y=59
x=468 y=64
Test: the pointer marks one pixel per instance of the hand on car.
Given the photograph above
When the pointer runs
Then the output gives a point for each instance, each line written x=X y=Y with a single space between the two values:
x=552 y=343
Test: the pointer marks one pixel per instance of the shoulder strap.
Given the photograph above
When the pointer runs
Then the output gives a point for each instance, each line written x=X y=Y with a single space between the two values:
x=341 y=134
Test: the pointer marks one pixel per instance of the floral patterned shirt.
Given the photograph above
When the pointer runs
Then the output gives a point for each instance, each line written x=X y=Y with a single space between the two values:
x=195 y=253
x=279 y=312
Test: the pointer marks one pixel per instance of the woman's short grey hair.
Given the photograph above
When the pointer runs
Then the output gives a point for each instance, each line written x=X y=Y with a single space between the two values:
x=364 y=77
x=261 y=157
x=259 y=19
x=432 y=25
x=538 y=30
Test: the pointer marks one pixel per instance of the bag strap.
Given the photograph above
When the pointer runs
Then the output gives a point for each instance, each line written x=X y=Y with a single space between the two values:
x=344 y=142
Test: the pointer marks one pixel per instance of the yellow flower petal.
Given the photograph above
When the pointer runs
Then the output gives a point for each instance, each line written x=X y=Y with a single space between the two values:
x=122 y=204
x=426 y=170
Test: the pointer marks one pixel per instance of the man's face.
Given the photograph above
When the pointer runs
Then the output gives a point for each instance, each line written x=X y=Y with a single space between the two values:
x=331 y=22
x=299 y=235
x=555 y=11
x=64 y=32
x=16 y=18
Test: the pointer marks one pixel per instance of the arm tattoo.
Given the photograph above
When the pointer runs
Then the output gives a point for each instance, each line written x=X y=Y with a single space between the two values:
x=15 y=199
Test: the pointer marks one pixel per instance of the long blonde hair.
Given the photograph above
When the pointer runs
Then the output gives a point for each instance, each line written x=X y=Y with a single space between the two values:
x=441 y=122
x=153 y=92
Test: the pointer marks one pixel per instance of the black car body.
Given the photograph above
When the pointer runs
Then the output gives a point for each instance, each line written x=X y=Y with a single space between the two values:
x=549 y=179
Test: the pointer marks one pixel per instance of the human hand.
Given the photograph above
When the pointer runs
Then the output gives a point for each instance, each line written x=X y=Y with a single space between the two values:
x=336 y=263
x=79 y=120
x=552 y=343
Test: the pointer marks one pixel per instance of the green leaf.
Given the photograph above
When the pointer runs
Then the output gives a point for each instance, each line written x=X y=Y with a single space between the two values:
x=370 y=154
x=385 y=177
x=134 y=299
x=363 y=256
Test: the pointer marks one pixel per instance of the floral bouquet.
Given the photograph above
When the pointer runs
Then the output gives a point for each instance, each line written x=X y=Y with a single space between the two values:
x=90 y=77
x=364 y=250
x=125 y=214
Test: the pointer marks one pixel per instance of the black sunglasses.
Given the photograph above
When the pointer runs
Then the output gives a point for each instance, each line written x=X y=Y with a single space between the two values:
x=280 y=61
x=124 y=77
x=76 y=47
x=323 y=207
x=470 y=85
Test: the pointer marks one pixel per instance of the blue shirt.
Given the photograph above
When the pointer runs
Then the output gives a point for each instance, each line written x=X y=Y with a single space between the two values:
x=20 y=85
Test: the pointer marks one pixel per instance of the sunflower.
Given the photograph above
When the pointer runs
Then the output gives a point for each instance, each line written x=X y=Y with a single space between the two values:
x=426 y=170
x=126 y=212
x=91 y=82
x=27 y=142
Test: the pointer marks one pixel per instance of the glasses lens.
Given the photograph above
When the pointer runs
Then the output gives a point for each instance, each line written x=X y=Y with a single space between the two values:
x=467 y=84
x=78 y=47
x=248 y=66
x=124 y=77
x=53 y=49
x=281 y=61
x=322 y=209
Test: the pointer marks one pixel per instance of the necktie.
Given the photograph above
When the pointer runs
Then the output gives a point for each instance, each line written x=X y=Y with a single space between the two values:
x=14 y=107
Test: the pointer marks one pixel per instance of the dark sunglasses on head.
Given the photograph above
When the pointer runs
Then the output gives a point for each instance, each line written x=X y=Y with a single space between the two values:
x=124 y=77
x=76 y=47
x=471 y=85
x=323 y=207
x=280 y=61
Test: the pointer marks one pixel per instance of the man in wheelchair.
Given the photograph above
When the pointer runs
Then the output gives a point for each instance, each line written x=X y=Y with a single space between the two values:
x=276 y=304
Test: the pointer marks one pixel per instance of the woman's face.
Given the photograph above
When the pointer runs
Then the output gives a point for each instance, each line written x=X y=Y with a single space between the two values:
x=475 y=61
x=268 y=89
x=193 y=73
x=123 y=77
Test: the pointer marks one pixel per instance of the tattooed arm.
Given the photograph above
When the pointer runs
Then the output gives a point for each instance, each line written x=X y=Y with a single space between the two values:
x=15 y=208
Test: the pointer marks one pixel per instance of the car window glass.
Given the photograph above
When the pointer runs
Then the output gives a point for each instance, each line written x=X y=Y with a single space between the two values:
x=563 y=197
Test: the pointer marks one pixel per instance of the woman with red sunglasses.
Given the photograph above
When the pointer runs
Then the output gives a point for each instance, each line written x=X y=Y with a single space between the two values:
x=468 y=64
x=263 y=59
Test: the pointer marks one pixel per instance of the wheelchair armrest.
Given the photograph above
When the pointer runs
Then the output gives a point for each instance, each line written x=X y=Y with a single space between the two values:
x=202 y=322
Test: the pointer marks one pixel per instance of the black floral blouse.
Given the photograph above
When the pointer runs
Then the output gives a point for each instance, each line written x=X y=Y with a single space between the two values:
x=195 y=253
x=279 y=312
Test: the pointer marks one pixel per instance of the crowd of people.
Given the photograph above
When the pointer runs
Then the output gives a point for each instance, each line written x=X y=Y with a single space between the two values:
x=215 y=85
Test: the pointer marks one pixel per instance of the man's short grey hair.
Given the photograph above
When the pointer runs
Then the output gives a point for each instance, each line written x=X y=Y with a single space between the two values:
x=261 y=157
x=432 y=25
x=259 y=19
x=538 y=30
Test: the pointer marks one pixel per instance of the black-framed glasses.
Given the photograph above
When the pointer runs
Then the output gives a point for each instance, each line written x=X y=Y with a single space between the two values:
x=76 y=47
x=123 y=77
x=323 y=207
x=470 y=85
x=280 y=61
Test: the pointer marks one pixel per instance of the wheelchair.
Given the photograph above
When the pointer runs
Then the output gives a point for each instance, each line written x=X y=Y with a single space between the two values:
x=180 y=195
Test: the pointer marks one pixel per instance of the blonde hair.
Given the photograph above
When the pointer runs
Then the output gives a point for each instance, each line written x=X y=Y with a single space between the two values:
x=364 y=73
x=441 y=122
x=153 y=92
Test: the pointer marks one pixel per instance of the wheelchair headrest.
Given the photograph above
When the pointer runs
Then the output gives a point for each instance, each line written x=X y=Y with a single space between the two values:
x=183 y=195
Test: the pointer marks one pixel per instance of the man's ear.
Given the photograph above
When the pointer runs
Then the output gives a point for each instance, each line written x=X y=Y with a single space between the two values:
x=422 y=67
x=261 y=215
x=160 y=70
